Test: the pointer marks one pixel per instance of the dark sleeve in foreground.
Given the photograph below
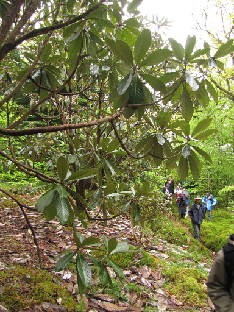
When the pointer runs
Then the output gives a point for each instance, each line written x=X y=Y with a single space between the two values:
x=216 y=286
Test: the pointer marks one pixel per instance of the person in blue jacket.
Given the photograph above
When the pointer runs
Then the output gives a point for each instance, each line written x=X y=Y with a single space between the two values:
x=209 y=202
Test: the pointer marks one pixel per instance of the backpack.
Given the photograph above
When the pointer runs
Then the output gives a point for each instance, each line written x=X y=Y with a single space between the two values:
x=228 y=251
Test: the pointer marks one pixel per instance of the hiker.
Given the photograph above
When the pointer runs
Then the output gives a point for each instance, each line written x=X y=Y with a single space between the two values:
x=181 y=202
x=209 y=202
x=220 y=282
x=187 y=200
x=178 y=189
x=171 y=186
x=170 y=183
x=166 y=191
x=196 y=213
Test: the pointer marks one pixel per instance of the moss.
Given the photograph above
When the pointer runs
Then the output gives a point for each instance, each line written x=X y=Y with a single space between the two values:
x=25 y=287
x=135 y=258
x=186 y=284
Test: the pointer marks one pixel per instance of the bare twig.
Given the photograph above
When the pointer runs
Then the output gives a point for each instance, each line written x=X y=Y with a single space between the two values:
x=22 y=206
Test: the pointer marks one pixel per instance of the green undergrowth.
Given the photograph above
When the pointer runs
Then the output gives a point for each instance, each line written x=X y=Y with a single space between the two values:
x=138 y=259
x=216 y=232
x=186 y=282
x=24 y=287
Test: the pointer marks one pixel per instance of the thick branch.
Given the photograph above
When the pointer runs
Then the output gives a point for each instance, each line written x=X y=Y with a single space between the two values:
x=32 y=131
x=9 y=19
x=9 y=46
x=30 y=9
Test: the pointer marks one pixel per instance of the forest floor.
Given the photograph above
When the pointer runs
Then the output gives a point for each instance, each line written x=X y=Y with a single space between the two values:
x=17 y=248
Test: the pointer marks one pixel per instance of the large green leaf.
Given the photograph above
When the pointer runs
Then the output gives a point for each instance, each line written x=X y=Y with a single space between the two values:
x=112 y=45
x=225 y=49
x=105 y=278
x=142 y=45
x=124 y=84
x=91 y=241
x=183 y=168
x=167 y=149
x=140 y=146
x=128 y=112
x=136 y=91
x=62 y=191
x=157 y=152
x=171 y=76
x=64 y=261
x=189 y=46
x=124 y=52
x=205 y=134
x=154 y=82
x=186 y=105
x=201 y=126
x=120 y=101
x=46 y=53
x=120 y=247
x=84 y=274
x=50 y=211
x=113 y=145
x=203 y=154
x=83 y=174
x=73 y=31
x=74 y=47
x=64 y=211
x=211 y=89
x=199 y=52
x=112 y=244
x=156 y=57
x=78 y=237
x=62 y=167
x=195 y=165
x=45 y=200
x=202 y=95
x=177 y=49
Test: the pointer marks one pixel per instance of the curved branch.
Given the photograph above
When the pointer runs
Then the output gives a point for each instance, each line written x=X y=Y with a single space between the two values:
x=29 y=10
x=32 y=131
x=122 y=144
x=9 y=19
x=29 y=170
x=9 y=46
x=229 y=94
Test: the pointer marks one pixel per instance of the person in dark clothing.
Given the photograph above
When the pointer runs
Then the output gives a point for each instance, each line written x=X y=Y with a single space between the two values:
x=171 y=186
x=182 y=206
x=220 y=282
x=197 y=214
x=166 y=191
